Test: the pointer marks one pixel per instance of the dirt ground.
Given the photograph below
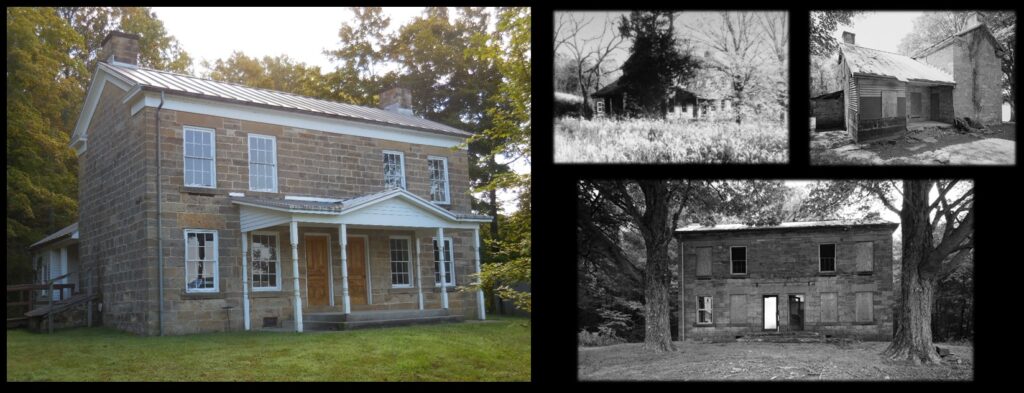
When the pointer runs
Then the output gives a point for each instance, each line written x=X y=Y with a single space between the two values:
x=766 y=362
x=929 y=147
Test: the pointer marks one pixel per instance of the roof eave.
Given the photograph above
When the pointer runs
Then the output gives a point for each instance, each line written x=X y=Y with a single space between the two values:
x=683 y=231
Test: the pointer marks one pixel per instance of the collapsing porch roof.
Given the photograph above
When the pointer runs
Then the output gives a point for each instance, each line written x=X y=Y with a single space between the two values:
x=872 y=62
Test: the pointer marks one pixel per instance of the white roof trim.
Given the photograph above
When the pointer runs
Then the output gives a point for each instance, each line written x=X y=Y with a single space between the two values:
x=92 y=98
x=308 y=199
x=236 y=194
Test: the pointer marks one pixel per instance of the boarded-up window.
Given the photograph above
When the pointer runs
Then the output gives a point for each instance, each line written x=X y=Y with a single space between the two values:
x=870 y=108
x=829 y=305
x=704 y=309
x=901 y=106
x=738 y=309
x=864 y=308
x=889 y=103
x=739 y=260
x=704 y=262
x=864 y=255
x=915 y=104
x=827 y=257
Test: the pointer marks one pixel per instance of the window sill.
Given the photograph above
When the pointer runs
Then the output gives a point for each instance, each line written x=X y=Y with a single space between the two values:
x=738 y=275
x=703 y=277
x=827 y=274
x=402 y=289
x=201 y=295
x=199 y=190
x=267 y=294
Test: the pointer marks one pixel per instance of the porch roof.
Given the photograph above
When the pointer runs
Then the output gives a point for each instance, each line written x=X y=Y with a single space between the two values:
x=394 y=208
x=69 y=232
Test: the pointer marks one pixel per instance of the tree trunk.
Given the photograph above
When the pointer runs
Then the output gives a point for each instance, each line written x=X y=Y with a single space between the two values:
x=913 y=338
x=657 y=234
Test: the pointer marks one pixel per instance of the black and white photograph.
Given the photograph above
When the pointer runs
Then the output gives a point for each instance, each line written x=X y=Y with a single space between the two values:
x=775 y=280
x=671 y=86
x=912 y=88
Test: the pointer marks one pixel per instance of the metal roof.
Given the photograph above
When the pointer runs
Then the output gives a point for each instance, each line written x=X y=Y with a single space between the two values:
x=68 y=231
x=345 y=204
x=873 y=62
x=171 y=82
x=786 y=225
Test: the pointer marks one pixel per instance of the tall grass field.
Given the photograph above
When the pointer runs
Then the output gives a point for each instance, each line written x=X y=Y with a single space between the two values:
x=669 y=141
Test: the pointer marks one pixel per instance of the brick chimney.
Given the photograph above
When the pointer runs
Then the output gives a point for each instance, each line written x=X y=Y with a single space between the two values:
x=397 y=99
x=848 y=38
x=119 y=47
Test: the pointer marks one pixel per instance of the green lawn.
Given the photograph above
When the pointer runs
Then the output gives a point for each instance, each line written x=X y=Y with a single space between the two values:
x=496 y=350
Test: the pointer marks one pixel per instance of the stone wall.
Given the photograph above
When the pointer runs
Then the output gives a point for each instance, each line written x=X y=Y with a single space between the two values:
x=783 y=263
x=828 y=113
x=986 y=86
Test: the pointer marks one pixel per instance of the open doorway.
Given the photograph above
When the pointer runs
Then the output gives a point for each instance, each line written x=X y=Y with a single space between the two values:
x=771 y=312
x=796 y=312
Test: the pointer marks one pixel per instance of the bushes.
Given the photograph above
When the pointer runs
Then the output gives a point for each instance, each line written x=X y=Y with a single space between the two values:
x=676 y=141
x=604 y=336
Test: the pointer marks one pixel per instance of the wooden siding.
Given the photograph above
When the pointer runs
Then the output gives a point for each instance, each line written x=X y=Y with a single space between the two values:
x=873 y=87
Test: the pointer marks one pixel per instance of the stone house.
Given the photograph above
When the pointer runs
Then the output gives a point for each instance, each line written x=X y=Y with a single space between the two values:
x=266 y=208
x=885 y=93
x=831 y=277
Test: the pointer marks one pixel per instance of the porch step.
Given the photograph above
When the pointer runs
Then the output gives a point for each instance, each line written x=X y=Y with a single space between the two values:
x=783 y=337
x=367 y=319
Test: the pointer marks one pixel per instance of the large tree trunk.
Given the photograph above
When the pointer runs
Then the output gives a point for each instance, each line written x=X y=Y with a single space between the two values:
x=657 y=276
x=913 y=338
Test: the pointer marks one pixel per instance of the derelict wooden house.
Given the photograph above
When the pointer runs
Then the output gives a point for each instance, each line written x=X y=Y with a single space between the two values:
x=683 y=102
x=830 y=277
x=885 y=93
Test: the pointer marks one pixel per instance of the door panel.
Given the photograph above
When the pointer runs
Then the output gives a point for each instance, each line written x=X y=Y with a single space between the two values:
x=356 y=253
x=771 y=313
x=317 y=285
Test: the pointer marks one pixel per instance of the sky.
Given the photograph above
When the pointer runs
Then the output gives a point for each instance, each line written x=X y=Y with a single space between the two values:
x=302 y=33
x=880 y=30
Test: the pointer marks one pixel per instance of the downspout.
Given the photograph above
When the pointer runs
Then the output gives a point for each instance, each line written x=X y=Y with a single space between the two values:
x=159 y=223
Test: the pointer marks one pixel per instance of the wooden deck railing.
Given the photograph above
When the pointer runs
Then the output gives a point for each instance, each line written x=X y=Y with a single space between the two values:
x=26 y=297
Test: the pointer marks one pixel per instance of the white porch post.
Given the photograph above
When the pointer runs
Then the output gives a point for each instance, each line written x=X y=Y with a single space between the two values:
x=419 y=275
x=343 y=239
x=245 y=279
x=64 y=270
x=294 y=231
x=476 y=259
x=443 y=255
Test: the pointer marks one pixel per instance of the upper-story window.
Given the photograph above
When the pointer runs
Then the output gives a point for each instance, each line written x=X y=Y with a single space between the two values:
x=438 y=167
x=262 y=163
x=739 y=260
x=200 y=157
x=827 y=257
x=200 y=260
x=394 y=170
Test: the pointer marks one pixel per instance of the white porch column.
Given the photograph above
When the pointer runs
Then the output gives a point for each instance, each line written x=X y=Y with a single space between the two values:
x=343 y=239
x=64 y=269
x=476 y=260
x=443 y=255
x=245 y=278
x=419 y=275
x=294 y=231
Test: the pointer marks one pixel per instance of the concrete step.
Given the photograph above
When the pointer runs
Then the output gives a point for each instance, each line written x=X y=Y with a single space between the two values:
x=399 y=322
x=395 y=314
x=360 y=320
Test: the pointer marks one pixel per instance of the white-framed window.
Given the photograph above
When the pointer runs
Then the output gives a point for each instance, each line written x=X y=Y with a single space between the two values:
x=200 y=152
x=401 y=273
x=738 y=256
x=600 y=107
x=438 y=168
x=394 y=169
x=827 y=257
x=201 y=260
x=449 y=263
x=262 y=163
x=266 y=261
x=704 y=310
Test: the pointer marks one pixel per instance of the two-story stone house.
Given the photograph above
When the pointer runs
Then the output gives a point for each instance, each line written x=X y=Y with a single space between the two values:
x=832 y=277
x=265 y=207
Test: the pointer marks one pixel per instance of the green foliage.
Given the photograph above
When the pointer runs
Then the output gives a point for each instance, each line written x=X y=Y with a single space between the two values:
x=823 y=24
x=655 y=62
x=496 y=351
x=279 y=73
x=361 y=54
x=603 y=337
x=643 y=140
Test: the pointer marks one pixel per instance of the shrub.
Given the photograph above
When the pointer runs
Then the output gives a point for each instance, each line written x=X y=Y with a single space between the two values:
x=604 y=336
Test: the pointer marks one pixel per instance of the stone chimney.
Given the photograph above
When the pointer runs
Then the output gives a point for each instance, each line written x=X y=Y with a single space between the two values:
x=972 y=20
x=119 y=47
x=397 y=99
x=848 y=38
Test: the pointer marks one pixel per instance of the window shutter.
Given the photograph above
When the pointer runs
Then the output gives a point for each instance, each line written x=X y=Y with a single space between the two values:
x=864 y=307
x=864 y=255
x=828 y=307
x=704 y=262
x=738 y=309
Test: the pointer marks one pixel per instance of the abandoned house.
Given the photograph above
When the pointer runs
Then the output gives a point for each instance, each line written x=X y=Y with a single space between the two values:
x=830 y=277
x=887 y=93
x=681 y=103
x=827 y=111
x=266 y=209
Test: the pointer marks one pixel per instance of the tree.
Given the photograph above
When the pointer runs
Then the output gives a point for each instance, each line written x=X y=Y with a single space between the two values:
x=273 y=73
x=776 y=34
x=823 y=25
x=588 y=55
x=655 y=64
x=361 y=55
x=930 y=28
x=927 y=255
x=736 y=38
x=1003 y=25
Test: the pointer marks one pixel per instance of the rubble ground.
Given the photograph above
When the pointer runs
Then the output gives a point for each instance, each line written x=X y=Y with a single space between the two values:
x=931 y=146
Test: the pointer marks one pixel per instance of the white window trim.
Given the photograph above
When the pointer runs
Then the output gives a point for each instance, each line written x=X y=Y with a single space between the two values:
x=447 y=182
x=451 y=256
x=216 y=258
x=277 y=245
x=835 y=257
x=401 y=164
x=408 y=244
x=746 y=264
x=213 y=150
x=248 y=149
x=709 y=308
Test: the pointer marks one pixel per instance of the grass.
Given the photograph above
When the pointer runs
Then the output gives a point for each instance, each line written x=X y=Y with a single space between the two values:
x=766 y=362
x=669 y=141
x=496 y=350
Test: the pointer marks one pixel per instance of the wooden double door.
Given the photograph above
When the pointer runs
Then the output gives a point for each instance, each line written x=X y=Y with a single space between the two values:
x=318 y=270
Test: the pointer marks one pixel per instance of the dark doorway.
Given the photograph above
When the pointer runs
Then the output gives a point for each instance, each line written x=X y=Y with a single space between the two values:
x=796 y=312
x=934 y=104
